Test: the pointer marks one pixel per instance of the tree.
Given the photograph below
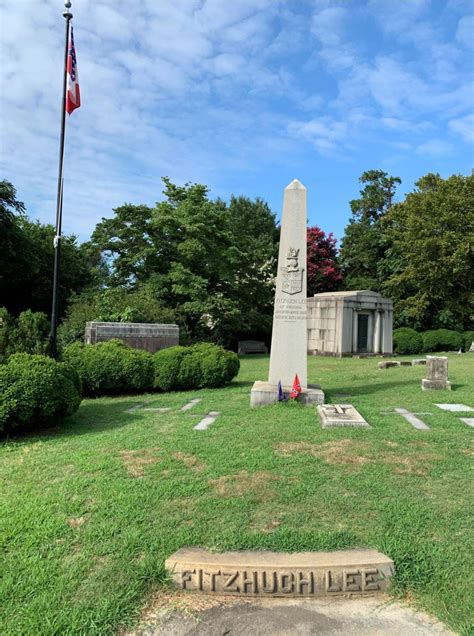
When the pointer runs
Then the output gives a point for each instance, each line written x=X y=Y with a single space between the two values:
x=429 y=265
x=363 y=245
x=211 y=263
x=324 y=273
x=27 y=257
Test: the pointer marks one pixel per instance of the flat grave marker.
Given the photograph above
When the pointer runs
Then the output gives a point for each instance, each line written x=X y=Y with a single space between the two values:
x=134 y=408
x=412 y=419
x=207 y=421
x=462 y=408
x=190 y=404
x=468 y=420
x=161 y=409
x=340 y=415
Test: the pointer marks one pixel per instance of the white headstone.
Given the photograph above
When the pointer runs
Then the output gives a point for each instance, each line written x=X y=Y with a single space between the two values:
x=289 y=335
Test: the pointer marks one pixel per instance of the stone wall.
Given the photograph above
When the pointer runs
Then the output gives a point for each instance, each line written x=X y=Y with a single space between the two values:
x=139 y=335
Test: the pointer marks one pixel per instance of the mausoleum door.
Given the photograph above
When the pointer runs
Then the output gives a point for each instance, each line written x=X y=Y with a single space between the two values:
x=362 y=333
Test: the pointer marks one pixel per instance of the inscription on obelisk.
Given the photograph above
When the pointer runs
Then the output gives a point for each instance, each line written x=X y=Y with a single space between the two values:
x=289 y=335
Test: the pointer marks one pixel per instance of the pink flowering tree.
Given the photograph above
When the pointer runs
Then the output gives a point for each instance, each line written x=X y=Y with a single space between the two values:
x=324 y=273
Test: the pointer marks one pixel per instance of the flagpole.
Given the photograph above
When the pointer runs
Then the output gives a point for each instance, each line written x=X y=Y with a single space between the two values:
x=53 y=349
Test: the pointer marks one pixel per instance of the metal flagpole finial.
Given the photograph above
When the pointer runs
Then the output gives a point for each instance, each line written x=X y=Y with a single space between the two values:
x=68 y=5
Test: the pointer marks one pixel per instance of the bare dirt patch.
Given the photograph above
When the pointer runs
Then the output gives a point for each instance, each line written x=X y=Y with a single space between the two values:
x=190 y=461
x=258 y=485
x=135 y=461
x=344 y=451
x=76 y=522
x=347 y=451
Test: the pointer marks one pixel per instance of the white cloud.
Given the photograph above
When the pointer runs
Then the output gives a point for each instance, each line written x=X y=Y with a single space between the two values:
x=465 y=31
x=434 y=148
x=464 y=126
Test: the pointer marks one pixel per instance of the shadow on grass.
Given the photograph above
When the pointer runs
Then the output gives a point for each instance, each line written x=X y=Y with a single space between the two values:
x=92 y=416
x=368 y=389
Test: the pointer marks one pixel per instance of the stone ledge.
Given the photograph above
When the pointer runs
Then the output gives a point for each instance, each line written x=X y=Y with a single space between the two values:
x=301 y=574
x=264 y=393
x=435 y=385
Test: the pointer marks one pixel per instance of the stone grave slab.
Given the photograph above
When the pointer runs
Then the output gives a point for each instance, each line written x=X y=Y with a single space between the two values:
x=190 y=404
x=340 y=415
x=461 y=408
x=468 y=420
x=161 y=409
x=207 y=421
x=411 y=417
x=261 y=573
x=418 y=361
x=134 y=408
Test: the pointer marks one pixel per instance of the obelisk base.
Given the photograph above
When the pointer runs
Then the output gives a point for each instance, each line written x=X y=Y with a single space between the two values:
x=264 y=393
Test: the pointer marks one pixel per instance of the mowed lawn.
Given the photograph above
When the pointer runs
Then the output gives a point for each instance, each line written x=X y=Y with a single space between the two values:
x=90 y=510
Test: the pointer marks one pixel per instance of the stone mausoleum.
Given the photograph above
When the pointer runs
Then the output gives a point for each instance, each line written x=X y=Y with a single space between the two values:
x=349 y=323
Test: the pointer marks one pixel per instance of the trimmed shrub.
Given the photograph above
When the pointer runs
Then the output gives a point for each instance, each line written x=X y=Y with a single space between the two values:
x=442 y=340
x=468 y=337
x=407 y=341
x=36 y=390
x=199 y=366
x=111 y=367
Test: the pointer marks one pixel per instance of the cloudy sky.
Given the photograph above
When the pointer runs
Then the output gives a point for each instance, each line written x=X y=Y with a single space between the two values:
x=242 y=95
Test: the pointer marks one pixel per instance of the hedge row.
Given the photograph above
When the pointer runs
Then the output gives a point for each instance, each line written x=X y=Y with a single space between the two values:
x=36 y=390
x=112 y=367
x=408 y=341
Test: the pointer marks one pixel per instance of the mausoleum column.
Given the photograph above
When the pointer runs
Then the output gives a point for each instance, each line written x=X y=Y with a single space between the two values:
x=378 y=332
x=354 y=330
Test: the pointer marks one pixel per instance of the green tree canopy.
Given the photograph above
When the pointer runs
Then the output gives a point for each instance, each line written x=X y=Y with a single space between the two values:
x=428 y=267
x=363 y=245
x=212 y=263
x=27 y=258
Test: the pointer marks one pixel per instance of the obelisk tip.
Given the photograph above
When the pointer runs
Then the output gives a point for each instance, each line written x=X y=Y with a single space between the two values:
x=295 y=185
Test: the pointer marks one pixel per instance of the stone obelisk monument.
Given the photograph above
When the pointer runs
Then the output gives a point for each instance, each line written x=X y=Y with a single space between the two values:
x=289 y=335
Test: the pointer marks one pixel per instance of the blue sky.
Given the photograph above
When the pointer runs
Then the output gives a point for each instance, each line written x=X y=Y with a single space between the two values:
x=242 y=95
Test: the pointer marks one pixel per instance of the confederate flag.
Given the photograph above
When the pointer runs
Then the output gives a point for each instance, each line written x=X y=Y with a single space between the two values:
x=73 y=95
x=296 y=390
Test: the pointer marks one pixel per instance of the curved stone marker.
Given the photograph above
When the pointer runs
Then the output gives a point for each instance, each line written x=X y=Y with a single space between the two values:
x=301 y=574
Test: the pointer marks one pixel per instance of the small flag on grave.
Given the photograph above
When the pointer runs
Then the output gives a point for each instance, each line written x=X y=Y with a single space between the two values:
x=281 y=395
x=296 y=390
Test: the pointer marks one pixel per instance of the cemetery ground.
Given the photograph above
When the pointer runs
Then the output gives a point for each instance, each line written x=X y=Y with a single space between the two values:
x=91 y=509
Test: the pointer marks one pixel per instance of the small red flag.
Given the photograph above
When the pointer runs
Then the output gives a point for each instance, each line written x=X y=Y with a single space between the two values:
x=296 y=390
x=73 y=95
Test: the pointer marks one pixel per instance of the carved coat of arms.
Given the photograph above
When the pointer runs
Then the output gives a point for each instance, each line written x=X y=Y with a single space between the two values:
x=292 y=275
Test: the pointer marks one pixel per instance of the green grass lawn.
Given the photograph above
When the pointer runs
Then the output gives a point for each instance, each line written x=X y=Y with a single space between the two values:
x=89 y=511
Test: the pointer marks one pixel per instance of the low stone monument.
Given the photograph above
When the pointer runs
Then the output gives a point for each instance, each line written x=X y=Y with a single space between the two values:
x=249 y=573
x=436 y=373
x=340 y=415
x=289 y=345
x=138 y=335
